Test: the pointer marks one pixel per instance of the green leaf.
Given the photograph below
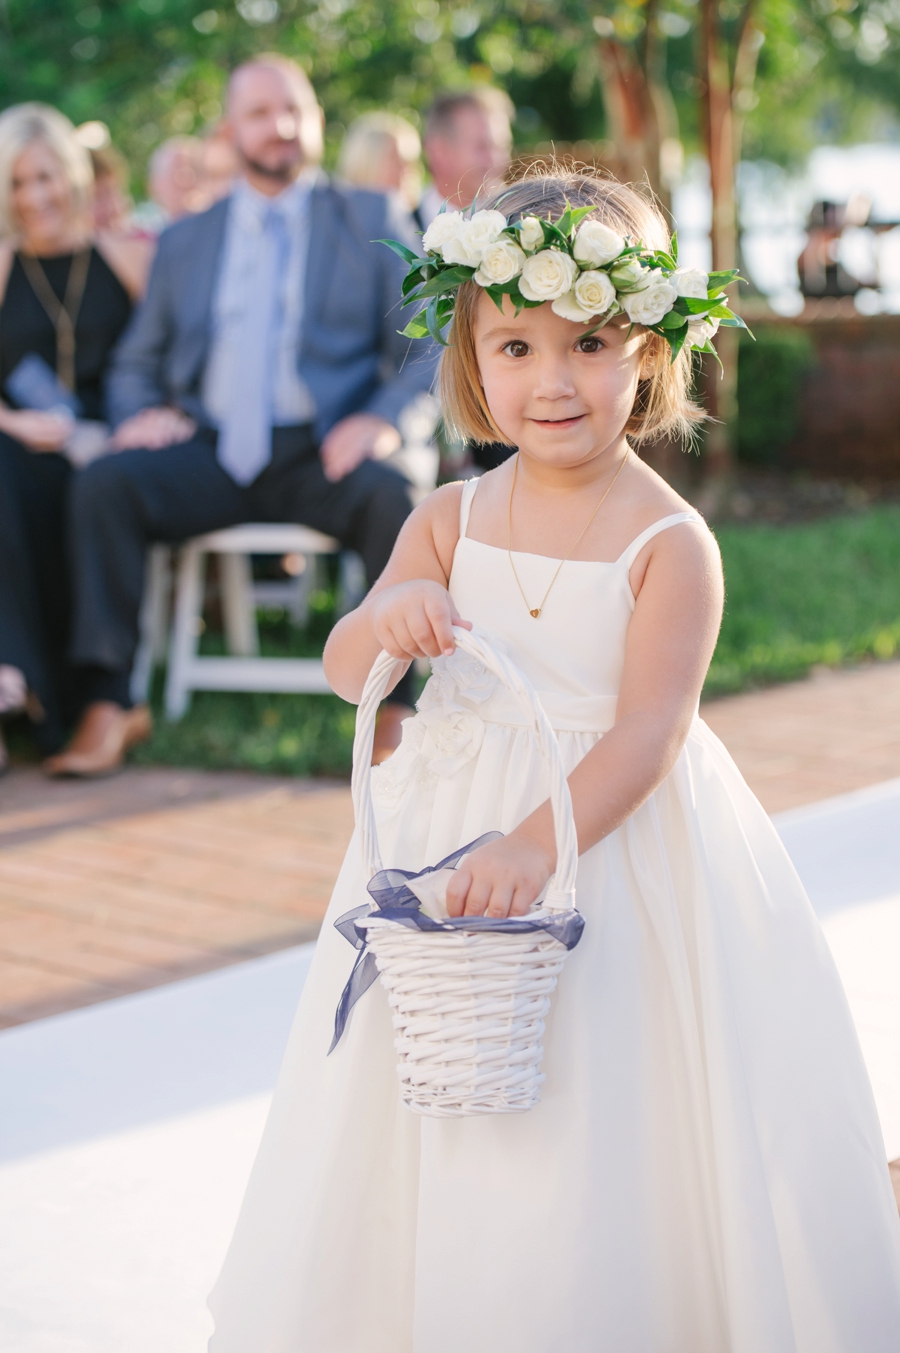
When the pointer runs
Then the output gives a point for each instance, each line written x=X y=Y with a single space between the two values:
x=718 y=280
x=448 y=279
x=416 y=328
x=693 y=305
x=675 y=339
x=673 y=320
x=400 y=250
x=675 y=245
x=496 y=296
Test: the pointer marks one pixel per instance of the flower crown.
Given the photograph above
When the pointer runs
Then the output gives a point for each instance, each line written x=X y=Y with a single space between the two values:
x=587 y=271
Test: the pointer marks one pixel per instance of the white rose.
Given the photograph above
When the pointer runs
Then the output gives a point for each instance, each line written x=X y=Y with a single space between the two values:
x=650 y=304
x=500 y=262
x=531 y=233
x=596 y=244
x=547 y=275
x=595 y=292
x=567 y=307
x=473 y=237
x=691 y=282
x=700 y=331
x=629 y=275
x=443 y=228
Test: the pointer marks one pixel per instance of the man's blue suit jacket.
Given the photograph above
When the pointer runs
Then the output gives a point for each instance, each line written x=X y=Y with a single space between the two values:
x=350 y=353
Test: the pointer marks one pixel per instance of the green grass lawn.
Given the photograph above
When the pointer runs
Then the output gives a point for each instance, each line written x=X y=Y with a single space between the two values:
x=825 y=592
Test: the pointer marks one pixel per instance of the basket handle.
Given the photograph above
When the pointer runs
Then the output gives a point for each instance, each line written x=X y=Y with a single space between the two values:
x=560 y=894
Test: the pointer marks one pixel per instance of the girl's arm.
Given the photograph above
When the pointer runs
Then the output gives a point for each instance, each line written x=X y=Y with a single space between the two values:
x=408 y=612
x=670 y=643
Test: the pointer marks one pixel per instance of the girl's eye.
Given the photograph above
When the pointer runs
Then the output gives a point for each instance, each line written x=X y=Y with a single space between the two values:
x=516 y=348
x=590 y=344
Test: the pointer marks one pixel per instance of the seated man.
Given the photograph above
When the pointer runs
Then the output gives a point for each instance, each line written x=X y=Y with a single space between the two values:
x=260 y=381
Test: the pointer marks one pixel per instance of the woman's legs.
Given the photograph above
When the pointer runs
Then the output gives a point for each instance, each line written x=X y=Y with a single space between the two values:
x=34 y=580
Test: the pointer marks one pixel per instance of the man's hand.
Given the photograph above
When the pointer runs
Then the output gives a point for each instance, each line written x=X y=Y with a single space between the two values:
x=37 y=431
x=153 y=429
x=360 y=437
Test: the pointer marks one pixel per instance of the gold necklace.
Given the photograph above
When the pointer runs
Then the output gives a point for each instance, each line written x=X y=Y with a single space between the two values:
x=63 y=314
x=535 y=611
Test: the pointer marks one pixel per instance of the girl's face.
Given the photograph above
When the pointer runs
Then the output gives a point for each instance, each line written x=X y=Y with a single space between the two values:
x=41 y=197
x=557 y=395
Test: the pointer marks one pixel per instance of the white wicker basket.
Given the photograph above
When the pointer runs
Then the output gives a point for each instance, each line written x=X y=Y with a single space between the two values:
x=468 y=1006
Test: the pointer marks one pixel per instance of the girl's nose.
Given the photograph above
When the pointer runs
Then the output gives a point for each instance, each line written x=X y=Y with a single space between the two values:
x=553 y=380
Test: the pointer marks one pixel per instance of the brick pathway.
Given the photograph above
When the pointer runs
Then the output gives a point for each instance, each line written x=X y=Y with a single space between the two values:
x=130 y=882
x=122 y=884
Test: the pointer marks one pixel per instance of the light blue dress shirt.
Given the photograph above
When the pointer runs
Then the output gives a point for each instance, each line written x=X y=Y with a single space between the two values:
x=239 y=274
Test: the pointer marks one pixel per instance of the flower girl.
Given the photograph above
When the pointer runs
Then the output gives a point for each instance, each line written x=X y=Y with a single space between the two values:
x=704 y=1172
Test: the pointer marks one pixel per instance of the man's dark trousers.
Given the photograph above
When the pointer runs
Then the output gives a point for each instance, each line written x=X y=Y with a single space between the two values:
x=123 y=503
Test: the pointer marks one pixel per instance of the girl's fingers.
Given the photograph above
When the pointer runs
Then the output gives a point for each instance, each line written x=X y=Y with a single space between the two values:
x=457 y=890
x=423 y=631
x=478 y=897
x=521 y=902
x=442 y=629
x=500 y=901
x=456 y=618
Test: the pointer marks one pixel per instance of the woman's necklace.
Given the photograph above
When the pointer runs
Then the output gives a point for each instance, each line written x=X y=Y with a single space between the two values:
x=535 y=611
x=62 y=314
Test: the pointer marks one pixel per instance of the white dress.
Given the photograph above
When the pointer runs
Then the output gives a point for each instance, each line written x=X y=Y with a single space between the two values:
x=705 y=1172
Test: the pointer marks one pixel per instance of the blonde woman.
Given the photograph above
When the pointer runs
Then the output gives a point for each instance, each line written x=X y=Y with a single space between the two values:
x=382 y=151
x=66 y=293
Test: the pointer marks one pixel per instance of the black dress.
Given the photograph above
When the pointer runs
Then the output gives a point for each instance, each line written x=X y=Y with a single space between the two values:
x=34 y=571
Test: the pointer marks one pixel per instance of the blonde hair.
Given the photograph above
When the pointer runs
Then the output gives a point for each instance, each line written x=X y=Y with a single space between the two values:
x=367 y=139
x=663 y=406
x=26 y=123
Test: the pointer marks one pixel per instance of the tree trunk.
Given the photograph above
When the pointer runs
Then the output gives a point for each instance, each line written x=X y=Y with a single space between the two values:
x=720 y=389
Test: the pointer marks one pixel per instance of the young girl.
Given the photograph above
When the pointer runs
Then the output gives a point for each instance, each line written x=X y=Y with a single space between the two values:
x=705 y=1171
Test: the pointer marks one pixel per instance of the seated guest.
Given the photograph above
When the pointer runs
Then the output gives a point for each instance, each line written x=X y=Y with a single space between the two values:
x=217 y=168
x=66 y=291
x=260 y=381
x=468 y=138
x=173 y=178
x=382 y=151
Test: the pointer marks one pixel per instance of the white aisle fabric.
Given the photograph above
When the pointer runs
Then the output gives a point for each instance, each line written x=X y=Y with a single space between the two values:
x=705 y=1172
x=127 y=1130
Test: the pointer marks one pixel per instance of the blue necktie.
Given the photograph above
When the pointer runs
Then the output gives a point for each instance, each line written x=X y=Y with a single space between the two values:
x=245 y=437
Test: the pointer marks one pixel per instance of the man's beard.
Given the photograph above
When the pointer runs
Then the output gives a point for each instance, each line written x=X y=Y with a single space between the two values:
x=284 y=173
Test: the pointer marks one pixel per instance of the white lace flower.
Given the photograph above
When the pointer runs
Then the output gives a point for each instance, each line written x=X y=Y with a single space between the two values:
x=547 y=275
x=444 y=227
x=500 y=262
x=531 y=233
x=650 y=304
x=629 y=275
x=596 y=244
x=453 y=737
x=691 y=282
x=700 y=331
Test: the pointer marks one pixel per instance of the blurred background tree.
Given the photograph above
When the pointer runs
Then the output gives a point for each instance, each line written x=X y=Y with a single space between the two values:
x=633 y=73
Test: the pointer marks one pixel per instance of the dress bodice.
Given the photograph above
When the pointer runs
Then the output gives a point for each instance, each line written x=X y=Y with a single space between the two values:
x=25 y=326
x=573 y=653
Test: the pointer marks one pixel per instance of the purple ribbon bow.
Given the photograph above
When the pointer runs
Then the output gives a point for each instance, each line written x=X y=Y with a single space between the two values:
x=395 y=901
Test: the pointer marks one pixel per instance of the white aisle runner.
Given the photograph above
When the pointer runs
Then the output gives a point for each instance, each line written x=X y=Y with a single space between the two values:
x=127 y=1130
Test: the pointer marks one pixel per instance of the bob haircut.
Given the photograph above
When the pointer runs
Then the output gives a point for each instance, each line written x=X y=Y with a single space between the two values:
x=663 y=406
x=367 y=140
x=25 y=123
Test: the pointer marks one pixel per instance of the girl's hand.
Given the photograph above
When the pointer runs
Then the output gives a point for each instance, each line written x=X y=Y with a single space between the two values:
x=415 y=620
x=37 y=431
x=503 y=878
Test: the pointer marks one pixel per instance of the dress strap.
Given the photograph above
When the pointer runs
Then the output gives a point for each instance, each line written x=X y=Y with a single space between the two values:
x=627 y=557
x=469 y=489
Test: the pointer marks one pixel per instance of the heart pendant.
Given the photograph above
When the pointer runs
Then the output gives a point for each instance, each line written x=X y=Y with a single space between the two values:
x=535 y=613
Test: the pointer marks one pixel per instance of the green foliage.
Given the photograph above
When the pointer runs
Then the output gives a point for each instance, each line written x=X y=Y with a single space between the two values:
x=826 y=592
x=828 y=69
x=770 y=374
